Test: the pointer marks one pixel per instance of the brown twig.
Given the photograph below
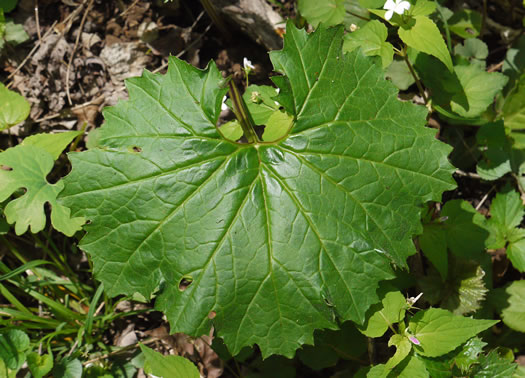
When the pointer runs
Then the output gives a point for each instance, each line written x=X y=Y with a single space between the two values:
x=79 y=33
x=128 y=8
x=495 y=67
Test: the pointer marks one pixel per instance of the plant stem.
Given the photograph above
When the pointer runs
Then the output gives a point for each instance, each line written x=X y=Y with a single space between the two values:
x=243 y=115
x=217 y=20
x=414 y=75
x=447 y=31
x=358 y=16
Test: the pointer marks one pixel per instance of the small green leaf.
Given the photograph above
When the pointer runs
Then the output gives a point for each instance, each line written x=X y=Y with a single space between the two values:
x=513 y=111
x=52 y=143
x=231 y=130
x=469 y=353
x=399 y=73
x=463 y=290
x=460 y=229
x=27 y=167
x=514 y=314
x=389 y=311
x=466 y=23
x=423 y=35
x=494 y=365
x=39 y=365
x=260 y=102
x=403 y=348
x=13 y=345
x=439 y=331
x=277 y=126
x=472 y=48
x=68 y=368
x=496 y=151
x=168 y=366
x=328 y=12
x=468 y=91
x=15 y=34
x=423 y=8
x=506 y=211
x=516 y=251
x=14 y=108
x=371 y=38
x=410 y=367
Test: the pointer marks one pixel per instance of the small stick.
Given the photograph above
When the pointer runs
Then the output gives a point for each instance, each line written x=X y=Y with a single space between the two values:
x=459 y=172
x=129 y=8
x=37 y=22
x=68 y=70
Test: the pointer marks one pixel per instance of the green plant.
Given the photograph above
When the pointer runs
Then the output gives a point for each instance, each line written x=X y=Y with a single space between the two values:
x=303 y=226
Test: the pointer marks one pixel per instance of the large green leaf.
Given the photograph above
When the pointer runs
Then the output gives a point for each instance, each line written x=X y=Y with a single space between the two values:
x=439 y=331
x=277 y=239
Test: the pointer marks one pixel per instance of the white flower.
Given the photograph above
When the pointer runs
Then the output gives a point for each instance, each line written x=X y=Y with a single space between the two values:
x=223 y=105
x=395 y=6
x=411 y=300
x=247 y=64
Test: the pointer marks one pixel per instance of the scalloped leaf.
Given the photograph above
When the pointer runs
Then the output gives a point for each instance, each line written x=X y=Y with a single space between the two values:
x=271 y=240
x=26 y=166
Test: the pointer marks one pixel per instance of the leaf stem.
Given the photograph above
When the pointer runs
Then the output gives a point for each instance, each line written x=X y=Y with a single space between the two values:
x=414 y=75
x=447 y=31
x=243 y=115
x=358 y=16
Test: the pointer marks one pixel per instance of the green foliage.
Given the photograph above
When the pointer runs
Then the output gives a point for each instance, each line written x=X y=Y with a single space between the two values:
x=466 y=23
x=506 y=214
x=10 y=33
x=423 y=35
x=332 y=346
x=380 y=316
x=513 y=311
x=14 y=108
x=461 y=292
x=440 y=331
x=458 y=229
x=319 y=215
x=8 y=5
x=329 y=12
x=371 y=38
x=13 y=347
x=467 y=91
x=39 y=365
x=27 y=166
x=168 y=366
x=280 y=227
